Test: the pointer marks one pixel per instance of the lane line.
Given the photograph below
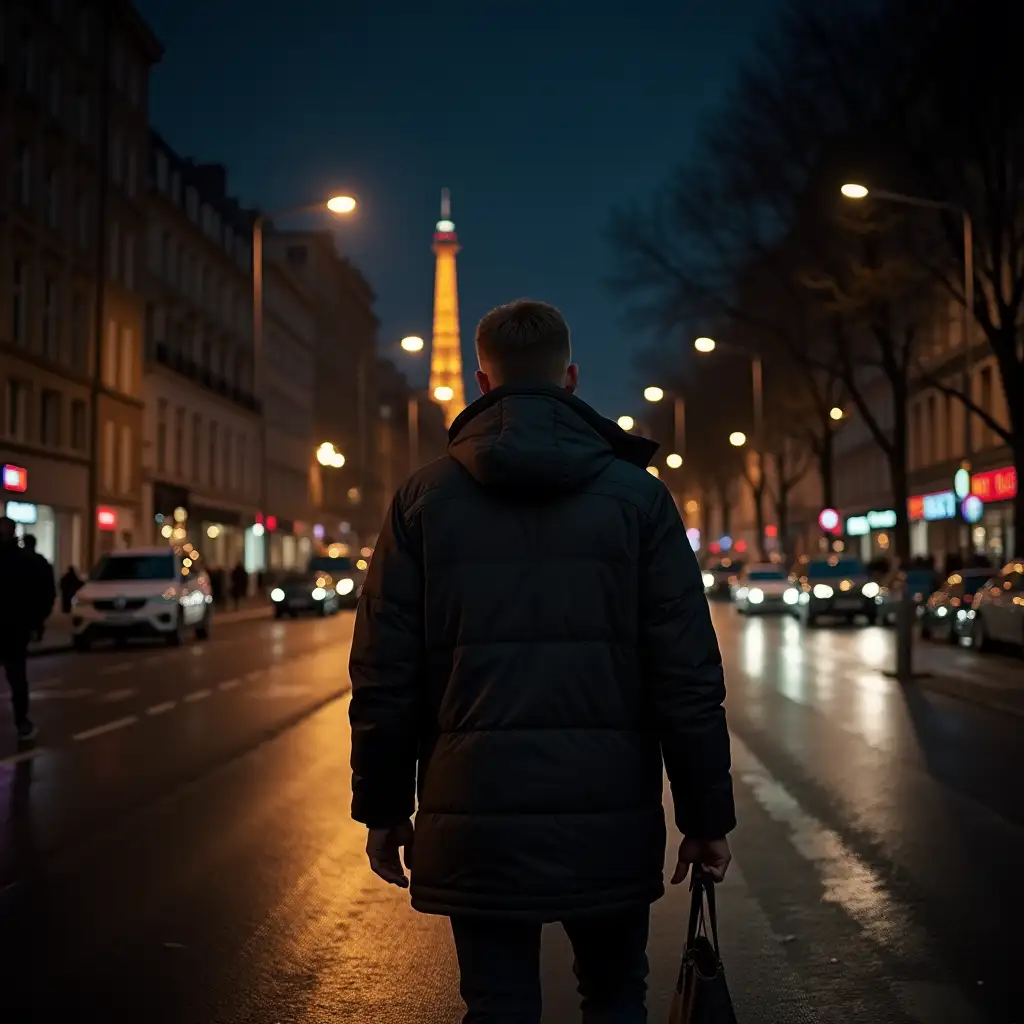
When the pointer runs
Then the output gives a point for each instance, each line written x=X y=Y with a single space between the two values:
x=160 y=709
x=229 y=684
x=101 y=730
x=121 y=666
x=257 y=674
x=21 y=756
x=60 y=694
x=191 y=698
x=117 y=695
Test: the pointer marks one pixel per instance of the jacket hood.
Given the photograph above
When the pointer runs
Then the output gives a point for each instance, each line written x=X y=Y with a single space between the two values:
x=539 y=438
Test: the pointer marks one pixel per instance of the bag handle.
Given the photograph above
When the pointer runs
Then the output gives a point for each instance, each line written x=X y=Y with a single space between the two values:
x=703 y=888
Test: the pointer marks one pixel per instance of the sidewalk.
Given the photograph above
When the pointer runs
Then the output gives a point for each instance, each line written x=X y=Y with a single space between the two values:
x=994 y=681
x=57 y=636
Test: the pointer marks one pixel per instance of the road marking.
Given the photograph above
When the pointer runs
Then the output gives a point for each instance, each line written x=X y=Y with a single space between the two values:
x=160 y=709
x=282 y=691
x=191 y=698
x=121 y=666
x=21 y=756
x=258 y=674
x=229 y=684
x=60 y=694
x=117 y=695
x=100 y=730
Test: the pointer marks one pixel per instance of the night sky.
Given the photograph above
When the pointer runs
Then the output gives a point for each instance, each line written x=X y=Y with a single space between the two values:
x=539 y=115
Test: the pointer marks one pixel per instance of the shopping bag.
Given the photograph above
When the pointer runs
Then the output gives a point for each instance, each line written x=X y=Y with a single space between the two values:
x=701 y=995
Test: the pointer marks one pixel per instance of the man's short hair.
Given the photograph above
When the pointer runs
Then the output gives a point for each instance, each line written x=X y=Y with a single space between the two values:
x=28 y=541
x=524 y=341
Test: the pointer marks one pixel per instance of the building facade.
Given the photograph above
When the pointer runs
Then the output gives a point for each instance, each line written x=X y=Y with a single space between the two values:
x=344 y=386
x=290 y=466
x=74 y=94
x=201 y=463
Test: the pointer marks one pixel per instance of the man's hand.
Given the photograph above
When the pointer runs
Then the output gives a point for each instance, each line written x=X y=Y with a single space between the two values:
x=382 y=847
x=711 y=855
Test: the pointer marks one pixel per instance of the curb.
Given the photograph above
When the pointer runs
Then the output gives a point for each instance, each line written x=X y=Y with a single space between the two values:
x=949 y=687
x=223 y=619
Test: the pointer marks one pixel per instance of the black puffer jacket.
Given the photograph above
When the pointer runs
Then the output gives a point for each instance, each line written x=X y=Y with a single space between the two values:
x=533 y=633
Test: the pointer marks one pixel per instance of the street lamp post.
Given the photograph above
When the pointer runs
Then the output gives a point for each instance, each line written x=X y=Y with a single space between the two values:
x=337 y=205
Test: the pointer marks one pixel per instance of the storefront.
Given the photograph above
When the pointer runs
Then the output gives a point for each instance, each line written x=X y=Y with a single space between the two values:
x=219 y=533
x=934 y=525
x=42 y=504
x=994 y=534
x=870 y=534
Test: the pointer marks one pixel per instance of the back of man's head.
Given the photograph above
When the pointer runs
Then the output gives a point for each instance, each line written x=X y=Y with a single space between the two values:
x=29 y=542
x=524 y=342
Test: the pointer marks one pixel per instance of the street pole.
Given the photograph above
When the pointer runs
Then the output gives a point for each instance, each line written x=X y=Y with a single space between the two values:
x=362 y=398
x=679 y=426
x=757 y=372
x=414 y=432
x=262 y=376
x=968 y=389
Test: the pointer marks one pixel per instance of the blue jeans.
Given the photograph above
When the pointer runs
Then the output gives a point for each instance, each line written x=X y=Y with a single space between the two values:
x=499 y=963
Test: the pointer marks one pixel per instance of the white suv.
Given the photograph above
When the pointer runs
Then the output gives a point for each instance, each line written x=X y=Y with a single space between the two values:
x=142 y=592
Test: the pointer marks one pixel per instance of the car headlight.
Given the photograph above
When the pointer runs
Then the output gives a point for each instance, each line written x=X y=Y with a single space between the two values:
x=822 y=591
x=709 y=580
x=870 y=590
x=277 y=595
x=756 y=596
x=942 y=612
x=791 y=596
x=345 y=587
x=319 y=593
x=741 y=593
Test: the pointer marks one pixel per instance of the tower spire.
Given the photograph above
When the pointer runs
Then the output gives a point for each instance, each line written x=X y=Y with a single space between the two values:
x=446 y=386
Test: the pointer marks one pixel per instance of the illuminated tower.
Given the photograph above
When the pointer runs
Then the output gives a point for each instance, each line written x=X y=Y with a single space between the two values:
x=446 y=349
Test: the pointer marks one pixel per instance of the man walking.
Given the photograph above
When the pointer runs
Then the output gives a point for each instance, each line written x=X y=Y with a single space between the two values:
x=532 y=645
x=47 y=587
x=23 y=610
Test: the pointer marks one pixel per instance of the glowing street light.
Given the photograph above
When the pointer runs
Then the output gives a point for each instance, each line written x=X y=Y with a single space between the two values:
x=412 y=343
x=341 y=204
x=704 y=345
x=626 y=422
x=673 y=461
x=854 y=191
x=737 y=439
x=836 y=413
x=654 y=394
x=328 y=455
x=443 y=393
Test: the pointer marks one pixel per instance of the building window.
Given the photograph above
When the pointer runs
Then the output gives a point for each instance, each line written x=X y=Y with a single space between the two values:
x=124 y=463
x=109 y=453
x=192 y=204
x=51 y=319
x=242 y=454
x=165 y=256
x=214 y=465
x=179 y=442
x=129 y=261
x=51 y=199
x=229 y=466
x=49 y=418
x=78 y=426
x=929 y=445
x=916 y=441
x=109 y=375
x=176 y=188
x=197 y=445
x=161 y=435
x=14 y=419
x=82 y=221
x=115 y=251
x=19 y=303
x=79 y=331
x=23 y=175
x=126 y=362
x=53 y=92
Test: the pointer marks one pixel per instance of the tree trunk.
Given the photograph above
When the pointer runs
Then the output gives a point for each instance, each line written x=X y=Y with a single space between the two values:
x=826 y=468
x=905 y=613
x=1016 y=411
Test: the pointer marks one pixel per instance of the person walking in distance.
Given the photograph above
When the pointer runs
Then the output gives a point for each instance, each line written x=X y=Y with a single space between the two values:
x=25 y=602
x=531 y=645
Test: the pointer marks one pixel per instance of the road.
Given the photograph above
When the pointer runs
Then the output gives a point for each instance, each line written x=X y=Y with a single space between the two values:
x=179 y=850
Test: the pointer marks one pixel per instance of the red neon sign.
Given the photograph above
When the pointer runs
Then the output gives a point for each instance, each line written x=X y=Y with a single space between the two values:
x=740 y=546
x=106 y=518
x=15 y=479
x=771 y=530
x=995 y=485
x=271 y=522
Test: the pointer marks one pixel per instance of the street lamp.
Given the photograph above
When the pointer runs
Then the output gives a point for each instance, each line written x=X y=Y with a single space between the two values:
x=737 y=439
x=855 y=191
x=412 y=343
x=704 y=345
x=328 y=455
x=835 y=413
x=336 y=204
x=443 y=393
x=654 y=394
x=626 y=422
x=674 y=460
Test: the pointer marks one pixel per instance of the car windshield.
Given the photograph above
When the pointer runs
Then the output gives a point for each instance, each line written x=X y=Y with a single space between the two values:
x=767 y=574
x=135 y=567
x=334 y=566
x=829 y=570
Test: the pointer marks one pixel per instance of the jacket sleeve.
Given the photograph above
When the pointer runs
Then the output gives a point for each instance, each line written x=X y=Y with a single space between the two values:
x=683 y=666
x=387 y=667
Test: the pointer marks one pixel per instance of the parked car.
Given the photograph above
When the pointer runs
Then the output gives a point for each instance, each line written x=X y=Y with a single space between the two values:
x=919 y=581
x=348 y=576
x=720 y=577
x=158 y=593
x=948 y=614
x=998 y=609
x=836 y=587
x=765 y=587
x=300 y=592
